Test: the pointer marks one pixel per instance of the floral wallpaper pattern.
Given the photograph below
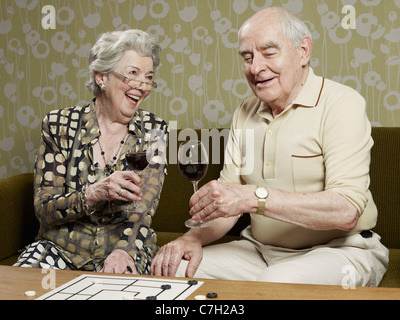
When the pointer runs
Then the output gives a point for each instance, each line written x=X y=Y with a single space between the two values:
x=44 y=50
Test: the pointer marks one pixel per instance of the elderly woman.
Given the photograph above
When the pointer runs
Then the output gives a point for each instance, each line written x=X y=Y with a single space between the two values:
x=83 y=186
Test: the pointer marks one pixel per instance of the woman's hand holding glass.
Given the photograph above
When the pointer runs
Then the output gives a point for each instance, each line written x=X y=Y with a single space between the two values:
x=121 y=185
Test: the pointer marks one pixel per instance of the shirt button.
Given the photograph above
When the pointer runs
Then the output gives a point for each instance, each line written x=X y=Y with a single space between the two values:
x=268 y=163
x=270 y=131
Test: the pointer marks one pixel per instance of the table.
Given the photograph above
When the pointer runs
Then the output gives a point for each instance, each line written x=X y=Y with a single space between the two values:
x=15 y=281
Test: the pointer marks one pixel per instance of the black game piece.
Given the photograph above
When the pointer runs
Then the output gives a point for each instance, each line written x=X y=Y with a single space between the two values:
x=151 y=298
x=166 y=286
x=192 y=282
x=212 y=295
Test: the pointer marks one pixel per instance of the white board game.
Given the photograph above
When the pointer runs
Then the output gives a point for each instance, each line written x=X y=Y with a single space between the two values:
x=99 y=287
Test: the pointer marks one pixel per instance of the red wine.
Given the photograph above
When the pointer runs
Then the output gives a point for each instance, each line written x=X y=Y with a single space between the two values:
x=137 y=161
x=193 y=172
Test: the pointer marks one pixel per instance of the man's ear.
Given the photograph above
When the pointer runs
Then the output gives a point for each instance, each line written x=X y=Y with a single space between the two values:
x=306 y=50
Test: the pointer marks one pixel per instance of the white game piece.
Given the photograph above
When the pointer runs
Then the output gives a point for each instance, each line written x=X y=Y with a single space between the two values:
x=97 y=281
x=128 y=297
x=30 y=293
x=200 y=297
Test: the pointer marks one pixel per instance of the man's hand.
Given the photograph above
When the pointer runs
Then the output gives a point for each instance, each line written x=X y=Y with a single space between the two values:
x=119 y=261
x=167 y=260
x=219 y=200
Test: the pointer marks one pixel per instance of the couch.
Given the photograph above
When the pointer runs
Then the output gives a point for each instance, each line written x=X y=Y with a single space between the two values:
x=18 y=225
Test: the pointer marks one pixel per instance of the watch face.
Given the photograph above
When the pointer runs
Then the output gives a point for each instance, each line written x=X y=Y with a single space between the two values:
x=261 y=192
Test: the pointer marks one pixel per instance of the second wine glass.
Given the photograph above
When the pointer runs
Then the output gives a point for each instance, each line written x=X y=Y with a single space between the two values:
x=193 y=164
x=137 y=160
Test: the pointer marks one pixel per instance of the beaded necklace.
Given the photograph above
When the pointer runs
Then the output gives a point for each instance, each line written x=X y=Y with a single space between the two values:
x=110 y=168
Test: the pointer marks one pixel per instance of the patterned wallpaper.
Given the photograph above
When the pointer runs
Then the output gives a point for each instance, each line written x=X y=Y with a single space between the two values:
x=43 y=61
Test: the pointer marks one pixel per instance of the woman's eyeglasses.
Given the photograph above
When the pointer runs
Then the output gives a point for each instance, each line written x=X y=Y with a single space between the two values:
x=135 y=82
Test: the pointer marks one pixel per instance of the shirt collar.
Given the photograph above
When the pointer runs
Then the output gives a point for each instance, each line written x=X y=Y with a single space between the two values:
x=91 y=127
x=308 y=97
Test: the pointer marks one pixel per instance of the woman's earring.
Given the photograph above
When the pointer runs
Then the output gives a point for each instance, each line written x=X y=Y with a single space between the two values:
x=102 y=86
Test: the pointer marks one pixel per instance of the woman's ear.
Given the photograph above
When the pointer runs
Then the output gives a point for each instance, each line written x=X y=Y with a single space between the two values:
x=99 y=77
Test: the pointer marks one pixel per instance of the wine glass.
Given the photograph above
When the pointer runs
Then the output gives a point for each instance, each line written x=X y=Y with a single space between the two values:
x=193 y=163
x=136 y=157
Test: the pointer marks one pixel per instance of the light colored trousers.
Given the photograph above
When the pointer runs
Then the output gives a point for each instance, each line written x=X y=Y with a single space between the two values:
x=350 y=261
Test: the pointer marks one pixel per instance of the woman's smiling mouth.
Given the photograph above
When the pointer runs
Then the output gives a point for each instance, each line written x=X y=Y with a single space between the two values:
x=133 y=99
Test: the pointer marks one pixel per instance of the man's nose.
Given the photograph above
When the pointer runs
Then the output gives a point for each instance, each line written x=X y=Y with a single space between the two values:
x=259 y=64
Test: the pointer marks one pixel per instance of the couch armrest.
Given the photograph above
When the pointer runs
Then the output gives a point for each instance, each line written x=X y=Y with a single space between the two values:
x=18 y=224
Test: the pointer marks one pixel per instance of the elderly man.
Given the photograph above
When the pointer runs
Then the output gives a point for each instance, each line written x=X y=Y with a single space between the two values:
x=307 y=193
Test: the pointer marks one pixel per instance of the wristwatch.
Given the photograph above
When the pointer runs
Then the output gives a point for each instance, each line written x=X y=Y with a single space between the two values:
x=262 y=195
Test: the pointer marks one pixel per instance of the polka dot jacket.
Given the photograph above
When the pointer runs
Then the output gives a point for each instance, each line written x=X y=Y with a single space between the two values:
x=65 y=164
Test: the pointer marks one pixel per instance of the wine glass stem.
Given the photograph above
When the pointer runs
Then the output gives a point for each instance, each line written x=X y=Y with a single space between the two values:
x=134 y=204
x=195 y=186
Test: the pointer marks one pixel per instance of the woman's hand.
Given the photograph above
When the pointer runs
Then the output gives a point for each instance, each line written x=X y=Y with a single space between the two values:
x=121 y=185
x=119 y=261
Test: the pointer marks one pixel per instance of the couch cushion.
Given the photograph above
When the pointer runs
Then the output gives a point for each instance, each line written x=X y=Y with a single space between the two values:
x=385 y=186
x=10 y=260
x=392 y=276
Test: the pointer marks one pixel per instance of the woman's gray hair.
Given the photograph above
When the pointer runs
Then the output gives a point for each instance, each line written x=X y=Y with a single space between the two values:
x=110 y=48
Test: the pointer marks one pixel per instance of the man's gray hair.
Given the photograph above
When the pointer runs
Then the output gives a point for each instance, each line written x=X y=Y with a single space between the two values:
x=293 y=27
x=291 y=24
x=110 y=48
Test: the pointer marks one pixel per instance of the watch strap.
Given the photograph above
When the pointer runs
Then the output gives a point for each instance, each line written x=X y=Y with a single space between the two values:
x=261 y=206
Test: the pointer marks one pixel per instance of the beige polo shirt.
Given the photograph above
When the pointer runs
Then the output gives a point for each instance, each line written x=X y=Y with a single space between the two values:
x=322 y=141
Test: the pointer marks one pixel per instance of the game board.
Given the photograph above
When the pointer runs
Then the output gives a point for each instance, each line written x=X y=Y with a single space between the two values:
x=99 y=287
